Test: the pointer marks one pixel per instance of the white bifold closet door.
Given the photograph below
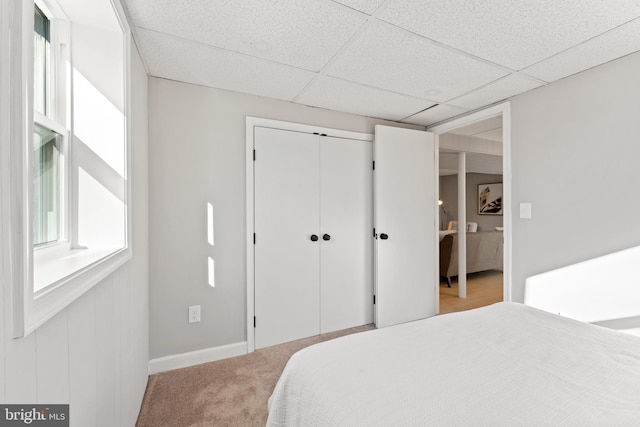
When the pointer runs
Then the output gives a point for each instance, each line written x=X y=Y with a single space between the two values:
x=346 y=215
x=313 y=225
x=287 y=214
x=405 y=221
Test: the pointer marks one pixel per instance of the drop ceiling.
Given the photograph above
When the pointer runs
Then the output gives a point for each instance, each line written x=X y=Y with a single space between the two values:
x=412 y=61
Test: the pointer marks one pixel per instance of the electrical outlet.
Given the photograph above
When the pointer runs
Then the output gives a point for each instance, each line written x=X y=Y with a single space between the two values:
x=194 y=313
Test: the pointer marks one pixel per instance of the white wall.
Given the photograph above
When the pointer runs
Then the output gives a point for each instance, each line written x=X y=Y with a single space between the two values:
x=92 y=355
x=575 y=157
x=449 y=195
x=197 y=138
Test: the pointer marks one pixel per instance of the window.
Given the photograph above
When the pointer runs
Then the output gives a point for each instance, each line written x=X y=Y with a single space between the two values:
x=69 y=168
x=49 y=137
x=46 y=186
x=42 y=61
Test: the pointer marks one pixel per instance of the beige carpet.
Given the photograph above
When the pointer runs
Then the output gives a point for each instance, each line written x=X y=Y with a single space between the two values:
x=230 y=392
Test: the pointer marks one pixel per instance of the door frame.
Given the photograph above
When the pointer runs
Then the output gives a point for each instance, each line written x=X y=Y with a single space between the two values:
x=251 y=123
x=503 y=109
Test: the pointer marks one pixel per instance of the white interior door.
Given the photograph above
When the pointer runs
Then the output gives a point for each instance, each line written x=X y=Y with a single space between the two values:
x=405 y=221
x=346 y=254
x=287 y=215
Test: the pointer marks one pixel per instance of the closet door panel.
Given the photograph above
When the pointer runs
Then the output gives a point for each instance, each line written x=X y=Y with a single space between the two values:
x=287 y=261
x=346 y=218
x=404 y=210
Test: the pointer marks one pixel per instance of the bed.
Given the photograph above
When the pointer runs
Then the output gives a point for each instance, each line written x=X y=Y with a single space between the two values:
x=503 y=365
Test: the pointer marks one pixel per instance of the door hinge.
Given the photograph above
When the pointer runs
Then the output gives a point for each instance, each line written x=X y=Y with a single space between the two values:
x=374 y=233
x=374 y=300
x=254 y=321
x=254 y=238
x=254 y=155
x=374 y=165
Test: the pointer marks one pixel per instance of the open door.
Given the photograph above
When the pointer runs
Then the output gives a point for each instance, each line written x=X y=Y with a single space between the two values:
x=405 y=225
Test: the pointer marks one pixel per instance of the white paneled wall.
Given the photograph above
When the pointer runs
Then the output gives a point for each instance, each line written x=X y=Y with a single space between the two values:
x=94 y=354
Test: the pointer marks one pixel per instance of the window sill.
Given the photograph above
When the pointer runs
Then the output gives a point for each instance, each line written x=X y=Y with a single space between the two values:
x=61 y=275
x=52 y=265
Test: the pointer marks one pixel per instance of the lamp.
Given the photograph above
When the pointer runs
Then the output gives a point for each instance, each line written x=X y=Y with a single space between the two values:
x=443 y=215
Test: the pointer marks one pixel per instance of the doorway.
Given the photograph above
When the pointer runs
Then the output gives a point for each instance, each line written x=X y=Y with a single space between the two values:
x=474 y=168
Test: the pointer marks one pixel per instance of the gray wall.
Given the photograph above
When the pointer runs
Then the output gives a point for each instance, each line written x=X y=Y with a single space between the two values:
x=575 y=157
x=94 y=353
x=197 y=157
x=449 y=195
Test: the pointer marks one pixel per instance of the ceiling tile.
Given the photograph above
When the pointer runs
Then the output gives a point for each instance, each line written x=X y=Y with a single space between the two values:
x=491 y=135
x=475 y=163
x=607 y=47
x=387 y=57
x=513 y=34
x=476 y=128
x=434 y=115
x=497 y=91
x=185 y=61
x=304 y=34
x=366 y=6
x=341 y=95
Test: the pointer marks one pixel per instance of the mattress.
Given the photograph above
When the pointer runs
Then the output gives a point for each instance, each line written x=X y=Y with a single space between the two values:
x=502 y=365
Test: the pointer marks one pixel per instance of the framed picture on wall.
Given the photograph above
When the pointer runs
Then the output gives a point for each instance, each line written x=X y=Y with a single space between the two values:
x=490 y=199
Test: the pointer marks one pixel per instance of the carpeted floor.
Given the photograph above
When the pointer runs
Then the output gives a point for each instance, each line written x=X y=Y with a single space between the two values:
x=234 y=392
x=230 y=392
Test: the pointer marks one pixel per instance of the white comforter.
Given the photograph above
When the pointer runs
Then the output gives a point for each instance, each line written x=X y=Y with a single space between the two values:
x=502 y=365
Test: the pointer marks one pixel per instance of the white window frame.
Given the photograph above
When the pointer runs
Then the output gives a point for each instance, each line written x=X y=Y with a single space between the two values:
x=31 y=309
x=57 y=118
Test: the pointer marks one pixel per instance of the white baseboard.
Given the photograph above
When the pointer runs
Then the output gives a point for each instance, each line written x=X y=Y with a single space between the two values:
x=197 y=357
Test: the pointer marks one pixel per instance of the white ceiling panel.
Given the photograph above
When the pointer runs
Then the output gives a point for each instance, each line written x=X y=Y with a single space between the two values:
x=462 y=54
x=476 y=128
x=366 y=6
x=182 y=60
x=496 y=91
x=304 y=34
x=476 y=163
x=513 y=34
x=341 y=95
x=609 y=46
x=387 y=57
x=434 y=115
x=491 y=135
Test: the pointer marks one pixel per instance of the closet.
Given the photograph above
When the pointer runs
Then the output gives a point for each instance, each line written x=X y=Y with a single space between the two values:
x=313 y=234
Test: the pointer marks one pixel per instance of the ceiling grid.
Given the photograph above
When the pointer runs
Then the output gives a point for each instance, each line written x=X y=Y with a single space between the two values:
x=416 y=61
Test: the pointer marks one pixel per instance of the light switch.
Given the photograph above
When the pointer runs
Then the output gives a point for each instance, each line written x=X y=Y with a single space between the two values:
x=525 y=210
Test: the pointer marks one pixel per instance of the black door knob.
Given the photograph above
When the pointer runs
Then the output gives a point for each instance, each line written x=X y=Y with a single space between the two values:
x=314 y=237
x=384 y=236
x=326 y=237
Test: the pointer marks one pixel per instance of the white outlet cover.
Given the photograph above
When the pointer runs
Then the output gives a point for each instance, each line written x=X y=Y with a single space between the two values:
x=194 y=313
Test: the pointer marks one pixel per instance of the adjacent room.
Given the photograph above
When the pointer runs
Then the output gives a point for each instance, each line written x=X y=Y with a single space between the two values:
x=472 y=155
x=319 y=212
